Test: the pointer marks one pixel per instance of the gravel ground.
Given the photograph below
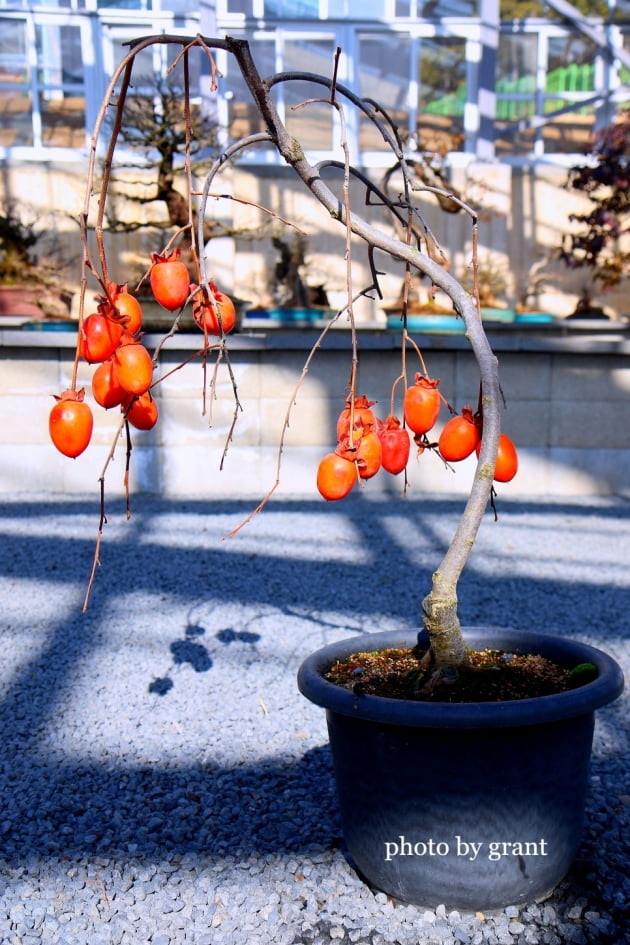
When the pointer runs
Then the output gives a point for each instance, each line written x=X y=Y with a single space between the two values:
x=162 y=779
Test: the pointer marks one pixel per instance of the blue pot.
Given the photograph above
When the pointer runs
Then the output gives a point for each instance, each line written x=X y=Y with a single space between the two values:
x=435 y=324
x=497 y=314
x=534 y=318
x=477 y=806
x=290 y=315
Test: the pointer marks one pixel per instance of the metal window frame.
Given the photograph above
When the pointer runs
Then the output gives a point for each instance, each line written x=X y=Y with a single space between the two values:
x=101 y=27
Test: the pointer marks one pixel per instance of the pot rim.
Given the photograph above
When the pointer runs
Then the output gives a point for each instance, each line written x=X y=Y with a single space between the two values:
x=539 y=710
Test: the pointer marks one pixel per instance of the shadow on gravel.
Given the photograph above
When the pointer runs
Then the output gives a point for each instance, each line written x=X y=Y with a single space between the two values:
x=273 y=807
x=197 y=655
x=397 y=577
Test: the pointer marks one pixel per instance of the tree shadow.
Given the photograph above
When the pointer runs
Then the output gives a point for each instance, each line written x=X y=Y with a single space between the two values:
x=267 y=804
x=190 y=651
x=274 y=806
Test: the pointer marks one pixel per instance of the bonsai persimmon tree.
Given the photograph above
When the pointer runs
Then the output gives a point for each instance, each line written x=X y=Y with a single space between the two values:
x=123 y=371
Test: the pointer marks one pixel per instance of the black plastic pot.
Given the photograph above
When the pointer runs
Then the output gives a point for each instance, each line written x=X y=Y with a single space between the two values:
x=420 y=783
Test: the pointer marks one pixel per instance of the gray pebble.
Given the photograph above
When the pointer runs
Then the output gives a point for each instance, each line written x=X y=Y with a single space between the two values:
x=195 y=816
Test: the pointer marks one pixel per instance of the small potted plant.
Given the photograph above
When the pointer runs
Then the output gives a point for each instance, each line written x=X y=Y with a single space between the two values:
x=288 y=297
x=29 y=288
x=491 y=284
x=462 y=780
x=419 y=309
x=529 y=310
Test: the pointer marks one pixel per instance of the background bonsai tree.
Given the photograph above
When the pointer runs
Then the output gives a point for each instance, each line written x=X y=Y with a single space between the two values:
x=156 y=132
x=154 y=127
x=38 y=274
x=600 y=243
x=287 y=284
x=329 y=183
x=17 y=240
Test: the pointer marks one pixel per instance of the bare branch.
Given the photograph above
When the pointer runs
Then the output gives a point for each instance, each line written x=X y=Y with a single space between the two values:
x=440 y=606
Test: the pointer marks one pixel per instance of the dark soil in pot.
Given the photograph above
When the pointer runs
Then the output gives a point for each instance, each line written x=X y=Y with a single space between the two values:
x=492 y=676
x=475 y=805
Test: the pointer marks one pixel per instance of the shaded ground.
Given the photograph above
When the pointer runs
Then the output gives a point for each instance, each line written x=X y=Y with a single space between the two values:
x=160 y=774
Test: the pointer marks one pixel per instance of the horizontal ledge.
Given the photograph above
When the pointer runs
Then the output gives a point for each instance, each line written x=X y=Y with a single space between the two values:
x=556 y=340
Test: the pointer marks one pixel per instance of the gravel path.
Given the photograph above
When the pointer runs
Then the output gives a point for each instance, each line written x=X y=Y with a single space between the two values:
x=162 y=779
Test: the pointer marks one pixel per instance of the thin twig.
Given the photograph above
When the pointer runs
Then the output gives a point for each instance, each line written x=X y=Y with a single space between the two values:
x=408 y=339
x=97 y=549
x=128 y=452
x=214 y=72
x=285 y=426
x=333 y=81
x=256 y=206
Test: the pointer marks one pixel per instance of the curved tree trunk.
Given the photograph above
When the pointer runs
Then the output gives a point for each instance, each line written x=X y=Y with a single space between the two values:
x=440 y=606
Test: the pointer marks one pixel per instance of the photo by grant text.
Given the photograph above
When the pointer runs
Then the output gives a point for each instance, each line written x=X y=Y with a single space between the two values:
x=468 y=849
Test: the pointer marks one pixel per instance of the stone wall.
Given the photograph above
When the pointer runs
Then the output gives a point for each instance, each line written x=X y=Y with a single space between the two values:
x=567 y=398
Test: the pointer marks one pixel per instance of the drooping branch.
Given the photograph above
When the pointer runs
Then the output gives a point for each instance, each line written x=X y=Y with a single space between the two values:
x=440 y=606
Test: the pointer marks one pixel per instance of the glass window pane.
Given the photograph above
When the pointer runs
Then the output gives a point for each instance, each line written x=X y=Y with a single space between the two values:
x=384 y=78
x=434 y=9
x=126 y=4
x=313 y=124
x=520 y=9
x=61 y=100
x=143 y=67
x=292 y=9
x=63 y=120
x=570 y=133
x=517 y=57
x=571 y=70
x=16 y=107
x=59 y=55
x=365 y=9
x=442 y=94
x=570 y=66
x=13 y=62
x=447 y=8
x=516 y=76
x=243 y=116
x=16 y=111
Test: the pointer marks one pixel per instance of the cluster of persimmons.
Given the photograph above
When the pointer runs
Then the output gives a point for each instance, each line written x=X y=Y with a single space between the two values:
x=110 y=338
x=366 y=444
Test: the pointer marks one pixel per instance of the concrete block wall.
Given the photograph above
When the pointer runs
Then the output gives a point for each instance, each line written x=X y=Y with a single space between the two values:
x=566 y=408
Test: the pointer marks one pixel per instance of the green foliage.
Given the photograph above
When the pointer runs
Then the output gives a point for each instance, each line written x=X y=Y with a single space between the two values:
x=521 y=9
